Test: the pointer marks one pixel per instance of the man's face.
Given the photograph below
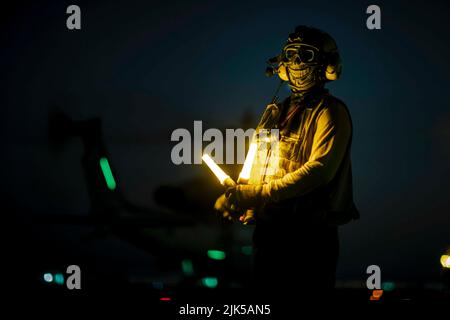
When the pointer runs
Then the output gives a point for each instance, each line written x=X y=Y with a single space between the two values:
x=301 y=61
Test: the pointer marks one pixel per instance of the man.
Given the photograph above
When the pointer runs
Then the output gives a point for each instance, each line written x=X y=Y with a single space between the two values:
x=302 y=194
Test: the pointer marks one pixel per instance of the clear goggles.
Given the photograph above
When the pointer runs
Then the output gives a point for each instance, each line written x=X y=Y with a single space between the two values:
x=303 y=52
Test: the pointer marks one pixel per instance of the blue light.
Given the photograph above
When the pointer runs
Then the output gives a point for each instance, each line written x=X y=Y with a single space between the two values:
x=59 y=279
x=48 y=277
x=388 y=286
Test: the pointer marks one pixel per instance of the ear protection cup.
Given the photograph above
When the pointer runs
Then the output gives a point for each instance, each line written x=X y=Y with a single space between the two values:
x=330 y=73
x=334 y=67
x=282 y=73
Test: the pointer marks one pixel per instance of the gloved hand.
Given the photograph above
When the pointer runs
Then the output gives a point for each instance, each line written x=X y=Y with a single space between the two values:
x=228 y=210
x=248 y=217
x=230 y=213
x=244 y=196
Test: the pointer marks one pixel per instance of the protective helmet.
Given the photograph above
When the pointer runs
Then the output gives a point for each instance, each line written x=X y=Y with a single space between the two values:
x=307 y=50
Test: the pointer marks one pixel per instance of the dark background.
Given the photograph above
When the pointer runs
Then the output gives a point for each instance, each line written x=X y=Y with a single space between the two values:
x=147 y=68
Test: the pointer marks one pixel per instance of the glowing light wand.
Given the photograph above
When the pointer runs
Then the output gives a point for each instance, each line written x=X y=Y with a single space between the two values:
x=219 y=173
x=244 y=176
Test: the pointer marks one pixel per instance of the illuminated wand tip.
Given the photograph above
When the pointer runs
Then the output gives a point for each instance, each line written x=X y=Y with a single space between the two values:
x=222 y=176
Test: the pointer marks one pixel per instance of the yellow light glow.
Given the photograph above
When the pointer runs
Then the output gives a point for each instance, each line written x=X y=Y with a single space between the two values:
x=445 y=261
x=248 y=163
x=222 y=176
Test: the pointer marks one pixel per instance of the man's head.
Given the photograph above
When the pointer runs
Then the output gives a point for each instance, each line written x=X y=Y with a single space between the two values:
x=309 y=58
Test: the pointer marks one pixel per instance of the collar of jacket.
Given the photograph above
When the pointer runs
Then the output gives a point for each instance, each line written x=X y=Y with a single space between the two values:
x=307 y=99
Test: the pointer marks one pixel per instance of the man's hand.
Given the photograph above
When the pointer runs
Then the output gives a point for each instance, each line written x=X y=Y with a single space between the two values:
x=224 y=206
x=248 y=217
x=238 y=199
x=245 y=196
x=230 y=212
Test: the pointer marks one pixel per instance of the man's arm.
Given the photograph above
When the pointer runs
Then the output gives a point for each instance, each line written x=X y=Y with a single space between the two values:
x=330 y=142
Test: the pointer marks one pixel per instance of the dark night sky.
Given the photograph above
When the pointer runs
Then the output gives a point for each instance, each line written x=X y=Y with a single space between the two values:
x=151 y=67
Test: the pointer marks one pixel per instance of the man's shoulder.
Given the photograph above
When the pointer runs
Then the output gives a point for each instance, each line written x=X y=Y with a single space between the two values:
x=333 y=104
x=334 y=108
